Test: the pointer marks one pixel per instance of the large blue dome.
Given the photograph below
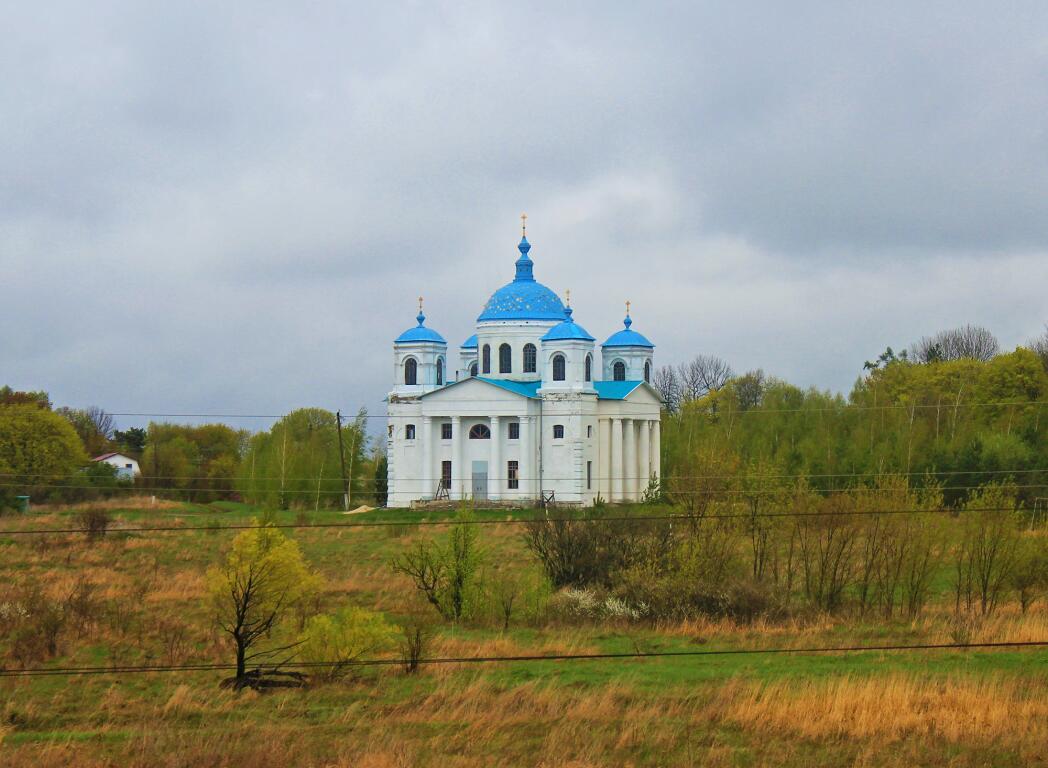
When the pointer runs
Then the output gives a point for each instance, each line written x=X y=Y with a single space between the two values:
x=524 y=298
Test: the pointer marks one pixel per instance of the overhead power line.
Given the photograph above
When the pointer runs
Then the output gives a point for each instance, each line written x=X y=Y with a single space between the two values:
x=524 y=658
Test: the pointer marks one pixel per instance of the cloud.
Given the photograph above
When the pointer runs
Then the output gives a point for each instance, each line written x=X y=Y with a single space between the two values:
x=232 y=208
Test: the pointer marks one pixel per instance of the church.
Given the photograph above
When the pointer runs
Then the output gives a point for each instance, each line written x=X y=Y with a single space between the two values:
x=533 y=409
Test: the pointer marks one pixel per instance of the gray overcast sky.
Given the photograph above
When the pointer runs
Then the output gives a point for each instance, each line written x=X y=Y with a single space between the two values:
x=231 y=207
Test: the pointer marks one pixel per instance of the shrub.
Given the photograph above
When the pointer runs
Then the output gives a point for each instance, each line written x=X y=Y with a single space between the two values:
x=343 y=638
x=94 y=522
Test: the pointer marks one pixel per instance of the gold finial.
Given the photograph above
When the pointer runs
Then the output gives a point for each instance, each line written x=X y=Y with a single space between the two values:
x=627 y=307
x=567 y=297
x=419 y=303
x=523 y=225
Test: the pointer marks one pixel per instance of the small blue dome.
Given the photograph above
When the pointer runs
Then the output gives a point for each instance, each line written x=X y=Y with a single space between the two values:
x=627 y=338
x=470 y=343
x=524 y=298
x=419 y=333
x=567 y=331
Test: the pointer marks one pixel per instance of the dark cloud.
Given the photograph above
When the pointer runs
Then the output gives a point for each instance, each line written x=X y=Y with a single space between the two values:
x=229 y=208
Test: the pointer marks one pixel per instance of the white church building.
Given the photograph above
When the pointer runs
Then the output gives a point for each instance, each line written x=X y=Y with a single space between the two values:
x=534 y=409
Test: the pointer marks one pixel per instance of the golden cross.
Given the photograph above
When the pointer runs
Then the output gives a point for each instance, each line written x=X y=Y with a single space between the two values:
x=567 y=296
x=523 y=224
x=627 y=307
x=419 y=303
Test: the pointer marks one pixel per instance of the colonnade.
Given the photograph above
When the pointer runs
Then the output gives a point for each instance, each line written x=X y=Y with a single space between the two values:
x=629 y=456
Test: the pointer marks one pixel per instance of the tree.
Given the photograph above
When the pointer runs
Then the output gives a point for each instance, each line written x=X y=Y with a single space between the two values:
x=967 y=342
x=263 y=580
x=93 y=425
x=10 y=396
x=986 y=556
x=446 y=574
x=132 y=441
x=1040 y=347
x=201 y=462
x=38 y=450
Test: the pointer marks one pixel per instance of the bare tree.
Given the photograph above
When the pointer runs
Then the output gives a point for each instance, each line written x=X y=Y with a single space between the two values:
x=1040 y=346
x=702 y=375
x=967 y=342
x=667 y=382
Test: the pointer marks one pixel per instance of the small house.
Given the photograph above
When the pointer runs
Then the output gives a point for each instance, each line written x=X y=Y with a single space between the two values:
x=126 y=467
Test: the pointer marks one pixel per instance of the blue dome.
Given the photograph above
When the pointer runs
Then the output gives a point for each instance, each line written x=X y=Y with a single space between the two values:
x=419 y=333
x=627 y=338
x=567 y=331
x=524 y=298
x=470 y=343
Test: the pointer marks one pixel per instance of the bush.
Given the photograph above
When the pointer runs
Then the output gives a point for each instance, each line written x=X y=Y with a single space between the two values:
x=94 y=522
x=344 y=637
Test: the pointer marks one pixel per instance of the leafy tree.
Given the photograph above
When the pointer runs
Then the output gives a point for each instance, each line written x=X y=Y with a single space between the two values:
x=199 y=462
x=38 y=450
x=297 y=461
x=93 y=425
x=10 y=396
x=131 y=441
x=263 y=580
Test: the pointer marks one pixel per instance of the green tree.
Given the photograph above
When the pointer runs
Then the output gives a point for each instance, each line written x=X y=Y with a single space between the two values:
x=38 y=451
x=263 y=580
x=344 y=637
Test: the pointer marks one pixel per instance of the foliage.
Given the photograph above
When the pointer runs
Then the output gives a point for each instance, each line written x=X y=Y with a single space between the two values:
x=198 y=463
x=38 y=450
x=988 y=552
x=344 y=637
x=10 y=396
x=93 y=425
x=131 y=441
x=297 y=462
x=446 y=574
x=263 y=580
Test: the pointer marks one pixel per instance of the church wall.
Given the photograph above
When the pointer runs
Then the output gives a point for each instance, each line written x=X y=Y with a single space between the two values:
x=515 y=334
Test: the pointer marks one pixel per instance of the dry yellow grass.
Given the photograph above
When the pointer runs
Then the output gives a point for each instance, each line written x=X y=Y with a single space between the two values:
x=892 y=707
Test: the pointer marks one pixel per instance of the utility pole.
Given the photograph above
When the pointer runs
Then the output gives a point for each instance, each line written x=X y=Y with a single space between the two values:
x=342 y=458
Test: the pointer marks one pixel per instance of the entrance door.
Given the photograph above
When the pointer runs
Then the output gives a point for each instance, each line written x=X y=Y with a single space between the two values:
x=480 y=479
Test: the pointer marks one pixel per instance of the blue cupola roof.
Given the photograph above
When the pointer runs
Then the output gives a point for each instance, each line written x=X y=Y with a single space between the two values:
x=524 y=298
x=569 y=330
x=627 y=338
x=419 y=332
x=470 y=343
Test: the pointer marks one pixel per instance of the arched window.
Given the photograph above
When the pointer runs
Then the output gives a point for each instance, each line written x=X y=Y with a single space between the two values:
x=440 y=371
x=505 y=359
x=410 y=371
x=479 y=432
x=473 y=368
x=589 y=367
x=529 y=358
x=558 y=431
x=558 y=368
x=647 y=371
x=486 y=355
x=618 y=371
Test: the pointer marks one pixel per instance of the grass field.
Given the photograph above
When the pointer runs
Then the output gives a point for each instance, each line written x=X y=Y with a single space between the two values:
x=956 y=708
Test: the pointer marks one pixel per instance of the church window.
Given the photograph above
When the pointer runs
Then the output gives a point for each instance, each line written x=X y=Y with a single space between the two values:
x=409 y=432
x=529 y=358
x=618 y=371
x=445 y=475
x=514 y=430
x=486 y=355
x=440 y=371
x=445 y=430
x=589 y=475
x=479 y=432
x=505 y=359
x=512 y=468
x=589 y=430
x=647 y=371
x=473 y=369
x=558 y=368
x=589 y=367
x=558 y=431
x=410 y=371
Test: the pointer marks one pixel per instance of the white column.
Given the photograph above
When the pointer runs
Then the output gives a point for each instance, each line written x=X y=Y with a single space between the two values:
x=457 y=490
x=429 y=485
x=527 y=469
x=629 y=460
x=496 y=472
x=656 y=448
x=644 y=456
x=604 y=458
x=615 y=468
